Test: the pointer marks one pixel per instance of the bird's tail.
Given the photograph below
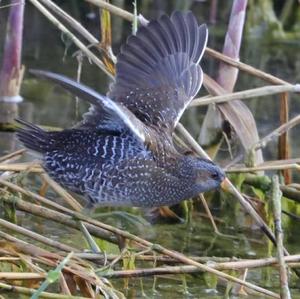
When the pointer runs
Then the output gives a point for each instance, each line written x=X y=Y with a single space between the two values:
x=33 y=137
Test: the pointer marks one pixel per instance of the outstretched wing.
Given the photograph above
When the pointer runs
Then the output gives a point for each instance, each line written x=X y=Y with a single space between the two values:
x=104 y=113
x=158 y=72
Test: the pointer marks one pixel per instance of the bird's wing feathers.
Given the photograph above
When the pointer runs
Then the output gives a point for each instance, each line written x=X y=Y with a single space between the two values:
x=104 y=113
x=158 y=72
x=157 y=75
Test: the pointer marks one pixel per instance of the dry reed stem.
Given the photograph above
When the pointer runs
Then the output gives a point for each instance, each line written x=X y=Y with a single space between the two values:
x=262 y=168
x=276 y=199
x=29 y=167
x=245 y=67
x=280 y=162
x=64 y=288
x=113 y=9
x=9 y=259
x=75 y=205
x=21 y=275
x=268 y=163
x=19 y=152
x=152 y=258
x=220 y=263
x=277 y=132
x=171 y=270
x=210 y=216
x=245 y=94
x=30 y=291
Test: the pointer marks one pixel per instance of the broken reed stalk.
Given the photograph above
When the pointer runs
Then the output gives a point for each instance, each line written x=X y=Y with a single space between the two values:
x=246 y=94
x=93 y=226
x=295 y=185
x=276 y=200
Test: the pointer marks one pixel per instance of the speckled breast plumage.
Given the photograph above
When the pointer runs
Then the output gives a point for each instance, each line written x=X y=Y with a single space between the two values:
x=122 y=152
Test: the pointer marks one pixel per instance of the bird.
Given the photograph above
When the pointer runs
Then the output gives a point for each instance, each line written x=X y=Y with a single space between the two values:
x=122 y=152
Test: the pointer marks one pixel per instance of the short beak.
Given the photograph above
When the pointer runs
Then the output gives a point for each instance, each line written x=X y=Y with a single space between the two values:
x=225 y=184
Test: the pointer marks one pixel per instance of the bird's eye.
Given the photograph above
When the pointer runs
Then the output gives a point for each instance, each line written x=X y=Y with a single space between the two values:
x=215 y=175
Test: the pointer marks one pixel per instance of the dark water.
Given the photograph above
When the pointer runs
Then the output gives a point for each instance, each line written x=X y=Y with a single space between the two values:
x=46 y=48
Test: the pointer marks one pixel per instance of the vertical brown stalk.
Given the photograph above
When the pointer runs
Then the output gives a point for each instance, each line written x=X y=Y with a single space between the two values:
x=283 y=144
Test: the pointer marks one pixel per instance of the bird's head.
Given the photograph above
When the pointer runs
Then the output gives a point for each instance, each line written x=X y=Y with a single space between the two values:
x=202 y=174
